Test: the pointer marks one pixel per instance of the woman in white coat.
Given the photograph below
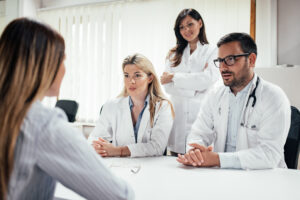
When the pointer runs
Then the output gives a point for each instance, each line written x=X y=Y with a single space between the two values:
x=137 y=123
x=189 y=74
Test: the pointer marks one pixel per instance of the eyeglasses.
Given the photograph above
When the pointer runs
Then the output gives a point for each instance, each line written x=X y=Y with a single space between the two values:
x=137 y=76
x=228 y=60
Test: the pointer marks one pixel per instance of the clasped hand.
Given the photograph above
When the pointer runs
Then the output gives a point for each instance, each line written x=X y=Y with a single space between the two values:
x=105 y=148
x=199 y=156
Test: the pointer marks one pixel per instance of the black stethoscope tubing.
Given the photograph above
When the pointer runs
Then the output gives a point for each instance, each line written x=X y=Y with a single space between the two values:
x=252 y=95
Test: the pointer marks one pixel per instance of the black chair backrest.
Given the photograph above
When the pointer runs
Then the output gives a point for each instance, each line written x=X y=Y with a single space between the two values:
x=70 y=107
x=292 y=145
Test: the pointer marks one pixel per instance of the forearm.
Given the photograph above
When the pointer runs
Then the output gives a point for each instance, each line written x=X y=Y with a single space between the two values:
x=229 y=160
x=170 y=89
x=199 y=81
x=146 y=149
x=124 y=151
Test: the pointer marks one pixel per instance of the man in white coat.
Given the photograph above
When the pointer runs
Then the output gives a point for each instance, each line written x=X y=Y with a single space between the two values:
x=243 y=124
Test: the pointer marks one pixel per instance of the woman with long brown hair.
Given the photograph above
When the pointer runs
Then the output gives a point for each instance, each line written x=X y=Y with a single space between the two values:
x=37 y=146
x=189 y=74
x=139 y=121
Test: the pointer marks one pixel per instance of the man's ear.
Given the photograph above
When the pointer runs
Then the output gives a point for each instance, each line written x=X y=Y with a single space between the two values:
x=252 y=59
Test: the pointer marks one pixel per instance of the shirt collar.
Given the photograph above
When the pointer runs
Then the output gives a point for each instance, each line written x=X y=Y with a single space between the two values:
x=145 y=103
x=198 y=45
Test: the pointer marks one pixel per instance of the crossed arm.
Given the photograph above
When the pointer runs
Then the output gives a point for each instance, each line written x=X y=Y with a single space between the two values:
x=200 y=156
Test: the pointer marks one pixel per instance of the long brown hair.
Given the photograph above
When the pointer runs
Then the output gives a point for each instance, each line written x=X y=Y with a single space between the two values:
x=181 y=42
x=30 y=56
x=154 y=88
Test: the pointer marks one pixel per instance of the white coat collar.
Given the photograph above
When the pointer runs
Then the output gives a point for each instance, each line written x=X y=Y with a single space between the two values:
x=198 y=45
x=128 y=119
x=188 y=48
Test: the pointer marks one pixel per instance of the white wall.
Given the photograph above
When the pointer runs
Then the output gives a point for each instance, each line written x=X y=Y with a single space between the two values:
x=28 y=8
x=12 y=10
x=266 y=33
x=288 y=32
x=285 y=77
x=46 y=4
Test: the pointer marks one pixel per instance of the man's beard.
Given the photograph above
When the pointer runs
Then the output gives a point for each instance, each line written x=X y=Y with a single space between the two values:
x=237 y=82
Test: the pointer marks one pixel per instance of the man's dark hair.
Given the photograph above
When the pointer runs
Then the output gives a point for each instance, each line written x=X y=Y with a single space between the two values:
x=246 y=42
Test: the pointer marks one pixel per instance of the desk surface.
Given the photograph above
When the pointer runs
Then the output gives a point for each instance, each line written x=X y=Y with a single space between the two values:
x=163 y=178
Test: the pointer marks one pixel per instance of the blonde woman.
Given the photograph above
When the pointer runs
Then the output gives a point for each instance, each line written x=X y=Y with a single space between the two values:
x=139 y=121
x=37 y=145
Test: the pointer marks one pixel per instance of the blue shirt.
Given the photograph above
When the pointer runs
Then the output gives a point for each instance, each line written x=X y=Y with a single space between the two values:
x=138 y=122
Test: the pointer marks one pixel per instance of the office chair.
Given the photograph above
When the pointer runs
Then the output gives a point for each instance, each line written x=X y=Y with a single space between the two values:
x=292 y=145
x=69 y=107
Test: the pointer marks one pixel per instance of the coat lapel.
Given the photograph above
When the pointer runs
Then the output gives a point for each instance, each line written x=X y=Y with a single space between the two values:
x=126 y=121
x=143 y=125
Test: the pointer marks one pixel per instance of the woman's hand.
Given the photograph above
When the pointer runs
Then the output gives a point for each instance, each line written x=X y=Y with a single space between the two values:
x=105 y=148
x=166 y=78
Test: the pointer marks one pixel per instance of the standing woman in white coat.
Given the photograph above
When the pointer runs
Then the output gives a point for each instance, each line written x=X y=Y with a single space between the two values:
x=189 y=74
x=138 y=122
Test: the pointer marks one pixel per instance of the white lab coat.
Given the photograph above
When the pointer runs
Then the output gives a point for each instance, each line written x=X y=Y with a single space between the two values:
x=259 y=145
x=115 y=124
x=190 y=84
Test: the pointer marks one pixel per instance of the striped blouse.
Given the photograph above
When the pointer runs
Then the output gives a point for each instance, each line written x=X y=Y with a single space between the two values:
x=48 y=149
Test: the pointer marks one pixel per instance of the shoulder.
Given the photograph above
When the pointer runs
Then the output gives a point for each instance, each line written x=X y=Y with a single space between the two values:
x=163 y=106
x=217 y=92
x=210 y=49
x=272 y=93
x=40 y=117
x=163 y=103
x=171 y=54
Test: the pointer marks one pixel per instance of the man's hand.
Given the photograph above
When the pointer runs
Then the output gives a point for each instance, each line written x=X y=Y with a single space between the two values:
x=200 y=156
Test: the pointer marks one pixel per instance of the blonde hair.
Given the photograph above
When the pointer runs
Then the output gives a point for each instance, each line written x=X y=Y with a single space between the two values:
x=30 y=56
x=154 y=88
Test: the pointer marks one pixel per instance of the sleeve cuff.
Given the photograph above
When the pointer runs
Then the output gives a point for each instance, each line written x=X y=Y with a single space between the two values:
x=175 y=78
x=229 y=160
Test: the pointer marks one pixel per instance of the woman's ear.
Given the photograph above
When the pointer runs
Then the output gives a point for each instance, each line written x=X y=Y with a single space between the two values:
x=200 y=23
x=150 y=78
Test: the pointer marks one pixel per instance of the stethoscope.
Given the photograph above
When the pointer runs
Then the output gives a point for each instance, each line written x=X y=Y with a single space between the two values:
x=252 y=95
